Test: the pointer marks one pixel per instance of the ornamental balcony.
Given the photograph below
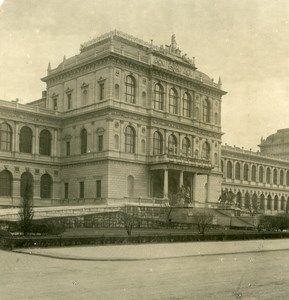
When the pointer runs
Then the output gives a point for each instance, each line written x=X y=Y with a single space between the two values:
x=174 y=159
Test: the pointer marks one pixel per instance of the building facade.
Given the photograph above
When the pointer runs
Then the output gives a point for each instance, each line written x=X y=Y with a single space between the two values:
x=260 y=182
x=123 y=118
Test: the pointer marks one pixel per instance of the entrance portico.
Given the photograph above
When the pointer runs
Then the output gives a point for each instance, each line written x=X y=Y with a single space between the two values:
x=167 y=177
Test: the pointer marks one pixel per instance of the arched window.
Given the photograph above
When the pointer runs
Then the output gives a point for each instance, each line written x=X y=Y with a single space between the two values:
x=130 y=186
x=186 y=147
x=247 y=200
x=239 y=199
x=172 y=144
x=5 y=183
x=255 y=202
x=269 y=202
x=262 y=202
x=45 y=186
x=116 y=91
x=206 y=111
x=83 y=141
x=276 y=202
x=159 y=97
x=282 y=203
x=25 y=140
x=206 y=151
x=116 y=141
x=84 y=96
x=281 y=177
x=287 y=178
x=253 y=173
x=246 y=172
x=261 y=174
x=229 y=170
x=268 y=175
x=275 y=176
x=237 y=171
x=130 y=139
x=5 y=137
x=196 y=153
x=45 y=142
x=173 y=101
x=187 y=105
x=157 y=143
x=26 y=185
x=130 y=87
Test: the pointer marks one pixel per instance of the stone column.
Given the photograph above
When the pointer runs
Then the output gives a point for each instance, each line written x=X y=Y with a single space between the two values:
x=181 y=180
x=16 y=138
x=265 y=203
x=195 y=182
x=279 y=205
x=55 y=143
x=166 y=184
x=36 y=142
x=208 y=188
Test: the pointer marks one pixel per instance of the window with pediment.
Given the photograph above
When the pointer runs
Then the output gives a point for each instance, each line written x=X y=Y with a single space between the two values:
x=172 y=144
x=83 y=141
x=130 y=139
x=173 y=101
x=206 y=151
x=186 y=147
x=187 y=103
x=206 y=111
x=158 y=97
x=130 y=89
x=157 y=143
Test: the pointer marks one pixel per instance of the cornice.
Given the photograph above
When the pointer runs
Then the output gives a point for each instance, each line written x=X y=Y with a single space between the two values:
x=24 y=116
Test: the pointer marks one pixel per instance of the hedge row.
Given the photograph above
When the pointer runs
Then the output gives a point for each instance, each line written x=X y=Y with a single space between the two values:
x=30 y=242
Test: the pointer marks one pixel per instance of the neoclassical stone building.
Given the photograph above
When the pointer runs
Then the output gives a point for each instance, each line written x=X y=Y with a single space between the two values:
x=256 y=179
x=123 y=118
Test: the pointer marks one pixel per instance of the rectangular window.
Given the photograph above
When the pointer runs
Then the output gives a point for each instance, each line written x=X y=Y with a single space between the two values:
x=100 y=142
x=66 y=190
x=68 y=101
x=55 y=104
x=101 y=91
x=67 y=148
x=98 y=188
x=81 y=189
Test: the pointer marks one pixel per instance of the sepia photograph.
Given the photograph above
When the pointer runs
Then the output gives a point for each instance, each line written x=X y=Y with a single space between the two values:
x=144 y=149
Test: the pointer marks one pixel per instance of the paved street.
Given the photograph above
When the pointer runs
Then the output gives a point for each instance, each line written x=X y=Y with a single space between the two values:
x=258 y=275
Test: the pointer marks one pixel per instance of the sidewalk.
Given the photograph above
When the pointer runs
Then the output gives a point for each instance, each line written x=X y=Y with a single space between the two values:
x=158 y=251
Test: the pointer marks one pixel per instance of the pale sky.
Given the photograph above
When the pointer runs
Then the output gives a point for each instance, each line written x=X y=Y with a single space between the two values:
x=245 y=42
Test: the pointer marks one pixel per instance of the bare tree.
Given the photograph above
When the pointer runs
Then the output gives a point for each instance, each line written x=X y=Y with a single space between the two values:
x=203 y=220
x=129 y=218
x=26 y=210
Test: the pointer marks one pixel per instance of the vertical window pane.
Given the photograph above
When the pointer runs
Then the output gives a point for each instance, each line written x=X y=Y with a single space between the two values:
x=45 y=186
x=25 y=140
x=130 y=89
x=5 y=183
x=66 y=190
x=5 y=137
x=45 y=142
x=83 y=140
